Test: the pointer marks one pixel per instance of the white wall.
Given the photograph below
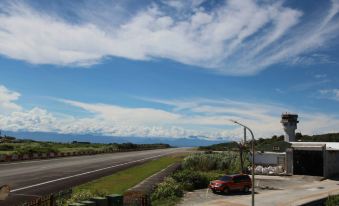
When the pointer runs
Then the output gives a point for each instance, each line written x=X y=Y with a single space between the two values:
x=267 y=158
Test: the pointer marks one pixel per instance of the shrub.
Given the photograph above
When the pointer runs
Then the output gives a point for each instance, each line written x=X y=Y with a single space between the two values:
x=332 y=200
x=169 y=188
x=81 y=195
x=224 y=161
x=192 y=180
x=35 y=149
x=6 y=147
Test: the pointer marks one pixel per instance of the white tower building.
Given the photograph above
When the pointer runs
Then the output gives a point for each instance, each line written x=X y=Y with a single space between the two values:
x=289 y=122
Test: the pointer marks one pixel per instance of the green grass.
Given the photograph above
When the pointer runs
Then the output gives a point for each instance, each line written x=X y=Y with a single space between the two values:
x=30 y=147
x=123 y=180
x=332 y=200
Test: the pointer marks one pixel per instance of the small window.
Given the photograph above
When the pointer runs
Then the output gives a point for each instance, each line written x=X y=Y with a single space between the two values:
x=276 y=148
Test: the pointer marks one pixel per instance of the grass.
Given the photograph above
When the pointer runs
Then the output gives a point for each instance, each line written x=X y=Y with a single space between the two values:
x=123 y=180
x=29 y=147
x=332 y=200
x=18 y=148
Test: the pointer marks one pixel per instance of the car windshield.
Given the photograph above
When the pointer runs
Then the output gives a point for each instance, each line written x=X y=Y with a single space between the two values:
x=225 y=178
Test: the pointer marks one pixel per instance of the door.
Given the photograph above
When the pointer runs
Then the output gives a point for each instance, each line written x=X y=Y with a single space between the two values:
x=308 y=162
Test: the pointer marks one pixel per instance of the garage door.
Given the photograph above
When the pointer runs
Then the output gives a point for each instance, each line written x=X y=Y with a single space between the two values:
x=308 y=162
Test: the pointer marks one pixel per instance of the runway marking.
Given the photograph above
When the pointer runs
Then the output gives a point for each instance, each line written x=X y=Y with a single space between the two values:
x=85 y=173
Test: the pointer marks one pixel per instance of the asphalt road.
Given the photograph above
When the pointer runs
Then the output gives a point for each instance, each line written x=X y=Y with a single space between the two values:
x=31 y=179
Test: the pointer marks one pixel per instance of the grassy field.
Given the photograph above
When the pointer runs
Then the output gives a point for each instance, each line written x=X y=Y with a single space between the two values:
x=22 y=146
x=121 y=181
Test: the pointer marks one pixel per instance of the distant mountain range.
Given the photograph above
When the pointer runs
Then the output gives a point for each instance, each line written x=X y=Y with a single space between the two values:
x=192 y=141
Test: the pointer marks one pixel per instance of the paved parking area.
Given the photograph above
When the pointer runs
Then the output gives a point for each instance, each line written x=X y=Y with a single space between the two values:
x=271 y=191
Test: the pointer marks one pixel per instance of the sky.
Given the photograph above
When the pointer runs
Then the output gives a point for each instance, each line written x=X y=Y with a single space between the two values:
x=169 y=68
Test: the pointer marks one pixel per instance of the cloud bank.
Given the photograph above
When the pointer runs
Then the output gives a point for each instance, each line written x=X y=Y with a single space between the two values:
x=233 y=37
x=207 y=118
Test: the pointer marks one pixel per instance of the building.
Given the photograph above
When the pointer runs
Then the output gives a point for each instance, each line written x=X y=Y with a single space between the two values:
x=313 y=158
x=289 y=122
x=309 y=158
x=300 y=158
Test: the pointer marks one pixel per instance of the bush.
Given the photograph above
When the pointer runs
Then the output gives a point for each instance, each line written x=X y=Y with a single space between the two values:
x=6 y=147
x=332 y=200
x=79 y=196
x=224 y=161
x=192 y=180
x=36 y=149
x=169 y=188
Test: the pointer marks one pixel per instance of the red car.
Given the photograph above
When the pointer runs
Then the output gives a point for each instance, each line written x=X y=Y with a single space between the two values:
x=228 y=183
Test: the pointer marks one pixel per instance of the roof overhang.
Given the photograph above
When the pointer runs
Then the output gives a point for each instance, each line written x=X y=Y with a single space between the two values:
x=308 y=146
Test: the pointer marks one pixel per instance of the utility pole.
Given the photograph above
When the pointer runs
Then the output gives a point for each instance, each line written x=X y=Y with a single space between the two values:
x=247 y=128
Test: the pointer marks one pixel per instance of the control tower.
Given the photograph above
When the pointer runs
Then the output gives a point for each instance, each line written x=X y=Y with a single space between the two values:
x=289 y=122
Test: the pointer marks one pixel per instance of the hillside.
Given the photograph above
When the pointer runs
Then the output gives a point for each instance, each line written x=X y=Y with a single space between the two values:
x=266 y=144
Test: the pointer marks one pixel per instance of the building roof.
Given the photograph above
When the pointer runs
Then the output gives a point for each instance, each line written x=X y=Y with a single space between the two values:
x=334 y=146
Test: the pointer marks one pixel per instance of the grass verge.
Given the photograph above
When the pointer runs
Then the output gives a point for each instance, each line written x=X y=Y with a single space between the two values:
x=119 y=182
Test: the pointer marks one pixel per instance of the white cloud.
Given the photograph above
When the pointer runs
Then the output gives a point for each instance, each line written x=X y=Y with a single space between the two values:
x=194 y=117
x=330 y=94
x=237 y=37
x=7 y=100
x=320 y=76
x=123 y=115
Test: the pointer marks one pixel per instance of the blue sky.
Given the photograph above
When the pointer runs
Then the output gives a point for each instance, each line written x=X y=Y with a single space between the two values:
x=168 y=68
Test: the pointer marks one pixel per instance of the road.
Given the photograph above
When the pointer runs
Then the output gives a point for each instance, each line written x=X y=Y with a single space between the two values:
x=285 y=191
x=31 y=179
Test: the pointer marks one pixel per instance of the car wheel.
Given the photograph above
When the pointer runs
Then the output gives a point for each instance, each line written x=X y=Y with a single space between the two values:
x=246 y=189
x=214 y=191
x=226 y=190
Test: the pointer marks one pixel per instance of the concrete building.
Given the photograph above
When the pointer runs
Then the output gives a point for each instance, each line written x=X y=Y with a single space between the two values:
x=301 y=158
x=313 y=158
x=289 y=122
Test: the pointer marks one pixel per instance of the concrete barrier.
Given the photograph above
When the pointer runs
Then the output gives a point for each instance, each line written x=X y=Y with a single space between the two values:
x=2 y=157
x=140 y=194
x=43 y=156
x=35 y=156
x=26 y=157
x=15 y=157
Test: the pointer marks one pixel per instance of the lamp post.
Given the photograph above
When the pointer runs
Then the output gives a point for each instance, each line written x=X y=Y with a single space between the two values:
x=247 y=128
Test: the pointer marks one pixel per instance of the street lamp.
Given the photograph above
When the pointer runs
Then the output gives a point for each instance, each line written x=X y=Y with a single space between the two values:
x=245 y=127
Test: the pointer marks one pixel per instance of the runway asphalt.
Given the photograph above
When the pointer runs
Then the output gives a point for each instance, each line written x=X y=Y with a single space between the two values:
x=31 y=179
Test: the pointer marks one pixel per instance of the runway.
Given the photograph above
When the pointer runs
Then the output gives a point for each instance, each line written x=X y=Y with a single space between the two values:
x=31 y=179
